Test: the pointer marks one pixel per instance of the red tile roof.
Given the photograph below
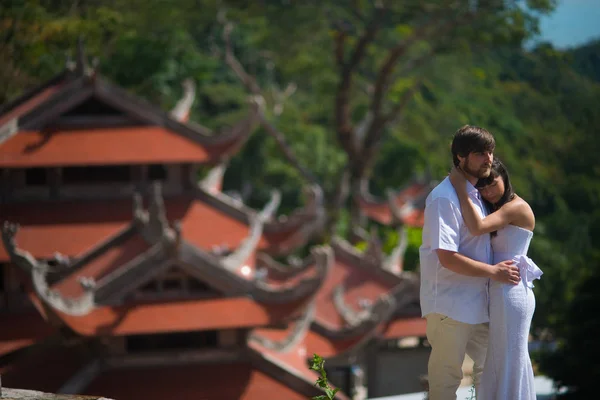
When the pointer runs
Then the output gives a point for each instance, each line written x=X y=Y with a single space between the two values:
x=72 y=228
x=358 y=284
x=382 y=213
x=30 y=103
x=102 y=265
x=179 y=316
x=108 y=146
x=404 y=327
x=233 y=381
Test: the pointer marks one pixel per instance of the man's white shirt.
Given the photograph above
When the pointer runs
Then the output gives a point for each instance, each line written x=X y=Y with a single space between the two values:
x=460 y=297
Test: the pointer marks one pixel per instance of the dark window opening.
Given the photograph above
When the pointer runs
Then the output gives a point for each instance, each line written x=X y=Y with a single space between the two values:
x=157 y=172
x=172 y=284
x=93 y=106
x=36 y=176
x=150 y=287
x=196 y=286
x=171 y=341
x=105 y=174
x=3 y=272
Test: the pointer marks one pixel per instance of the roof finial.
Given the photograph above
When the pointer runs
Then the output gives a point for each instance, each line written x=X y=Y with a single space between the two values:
x=81 y=64
x=69 y=64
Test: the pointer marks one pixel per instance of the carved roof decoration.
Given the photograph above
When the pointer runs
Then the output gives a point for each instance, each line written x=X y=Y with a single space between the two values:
x=73 y=228
x=213 y=181
x=149 y=245
x=181 y=111
x=402 y=207
x=31 y=120
x=284 y=233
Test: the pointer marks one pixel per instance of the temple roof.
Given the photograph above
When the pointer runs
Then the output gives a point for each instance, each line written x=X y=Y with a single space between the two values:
x=360 y=301
x=405 y=206
x=51 y=126
x=95 y=292
x=75 y=228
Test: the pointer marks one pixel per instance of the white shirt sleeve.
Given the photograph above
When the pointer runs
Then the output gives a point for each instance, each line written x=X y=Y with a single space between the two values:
x=444 y=220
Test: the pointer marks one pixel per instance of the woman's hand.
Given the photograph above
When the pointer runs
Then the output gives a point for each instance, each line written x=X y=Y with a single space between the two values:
x=458 y=179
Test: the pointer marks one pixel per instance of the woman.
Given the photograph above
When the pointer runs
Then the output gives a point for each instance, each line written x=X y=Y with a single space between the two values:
x=507 y=373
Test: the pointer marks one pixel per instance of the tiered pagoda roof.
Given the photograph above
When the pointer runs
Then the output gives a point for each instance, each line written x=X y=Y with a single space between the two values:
x=161 y=262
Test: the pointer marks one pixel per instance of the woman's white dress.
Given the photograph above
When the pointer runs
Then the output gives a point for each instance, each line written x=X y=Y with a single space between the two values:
x=507 y=374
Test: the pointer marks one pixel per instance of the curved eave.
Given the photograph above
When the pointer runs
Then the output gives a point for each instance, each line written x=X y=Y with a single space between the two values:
x=404 y=206
x=348 y=253
x=379 y=313
x=279 y=271
x=276 y=239
x=296 y=288
x=313 y=208
x=285 y=341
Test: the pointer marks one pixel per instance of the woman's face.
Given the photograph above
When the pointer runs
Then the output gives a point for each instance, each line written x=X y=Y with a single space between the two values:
x=494 y=191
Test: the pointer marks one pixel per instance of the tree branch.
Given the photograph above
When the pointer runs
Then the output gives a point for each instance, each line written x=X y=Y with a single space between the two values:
x=286 y=149
x=231 y=60
x=344 y=128
x=252 y=86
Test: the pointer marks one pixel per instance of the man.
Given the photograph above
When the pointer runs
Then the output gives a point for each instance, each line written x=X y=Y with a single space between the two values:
x=455 y=268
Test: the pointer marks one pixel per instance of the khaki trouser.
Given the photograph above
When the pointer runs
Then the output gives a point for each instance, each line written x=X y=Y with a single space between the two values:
x=450 y=340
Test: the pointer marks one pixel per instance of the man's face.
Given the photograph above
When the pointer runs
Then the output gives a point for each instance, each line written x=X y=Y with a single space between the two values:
x=477 y=164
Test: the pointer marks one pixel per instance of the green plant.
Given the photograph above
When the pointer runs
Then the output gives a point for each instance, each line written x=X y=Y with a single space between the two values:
x=471 y=393
x=317 y=364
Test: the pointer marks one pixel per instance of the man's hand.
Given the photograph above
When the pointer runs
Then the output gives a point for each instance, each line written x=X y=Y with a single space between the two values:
x=506 y=272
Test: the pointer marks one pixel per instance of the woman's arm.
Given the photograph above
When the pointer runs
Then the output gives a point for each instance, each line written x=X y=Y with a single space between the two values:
x=474 y=222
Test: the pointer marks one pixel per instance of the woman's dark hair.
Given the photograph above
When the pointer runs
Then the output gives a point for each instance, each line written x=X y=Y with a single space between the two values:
x=498 y=169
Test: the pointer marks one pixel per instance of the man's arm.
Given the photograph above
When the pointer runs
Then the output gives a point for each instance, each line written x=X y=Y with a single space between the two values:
x=505 y=272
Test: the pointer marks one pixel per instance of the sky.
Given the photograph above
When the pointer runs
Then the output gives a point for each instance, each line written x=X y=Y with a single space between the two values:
x=574 y=22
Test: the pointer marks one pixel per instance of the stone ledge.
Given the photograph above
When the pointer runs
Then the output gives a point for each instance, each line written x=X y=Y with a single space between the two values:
x=20 y=394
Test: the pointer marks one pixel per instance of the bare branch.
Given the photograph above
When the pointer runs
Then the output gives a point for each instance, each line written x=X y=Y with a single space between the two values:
x=248 y=80
x=286 y=149
x=344 y=126
x=390 y=63
x=252 y=86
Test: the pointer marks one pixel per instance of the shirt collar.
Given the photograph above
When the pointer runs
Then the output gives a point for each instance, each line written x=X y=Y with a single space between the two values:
x=472 y=190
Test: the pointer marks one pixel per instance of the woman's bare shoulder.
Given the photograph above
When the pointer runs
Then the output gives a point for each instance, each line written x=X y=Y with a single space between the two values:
x=523 y=214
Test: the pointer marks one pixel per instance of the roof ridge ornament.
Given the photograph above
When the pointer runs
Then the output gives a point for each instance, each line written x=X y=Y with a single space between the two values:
x=39 y=270
x=181 y=111
x=234 y=261
x=298 y=332
x=394 y=263
x=291 y=289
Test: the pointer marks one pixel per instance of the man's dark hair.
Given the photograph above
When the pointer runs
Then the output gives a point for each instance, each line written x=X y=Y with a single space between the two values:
x=471 y=139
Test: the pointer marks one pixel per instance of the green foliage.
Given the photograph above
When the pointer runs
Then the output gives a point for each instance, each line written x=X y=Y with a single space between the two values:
x=318 y=364
x=573 y=365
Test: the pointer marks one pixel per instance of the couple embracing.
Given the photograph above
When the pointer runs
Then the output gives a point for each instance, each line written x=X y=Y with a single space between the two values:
x=476 y=278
